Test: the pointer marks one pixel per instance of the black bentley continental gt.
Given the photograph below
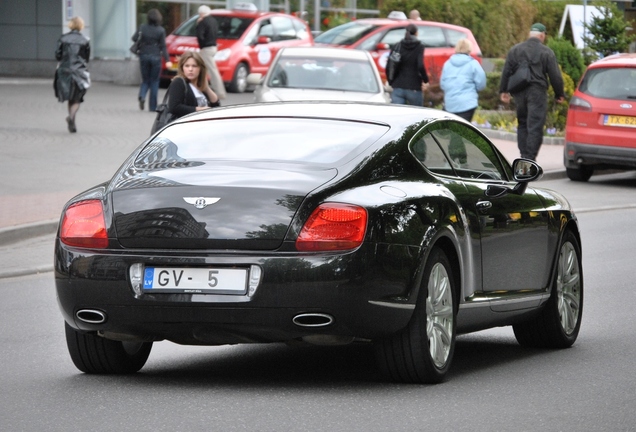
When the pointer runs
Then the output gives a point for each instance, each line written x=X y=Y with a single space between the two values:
x=317 y=222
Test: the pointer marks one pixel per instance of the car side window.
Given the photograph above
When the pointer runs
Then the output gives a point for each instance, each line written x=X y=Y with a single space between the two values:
x=454 y=36
x=393 y=36
x=471 y=155
x=430 y=154
x=266 y=29
x=371 y=43
x=283 y=28
x=301 y=30
x=431 y=36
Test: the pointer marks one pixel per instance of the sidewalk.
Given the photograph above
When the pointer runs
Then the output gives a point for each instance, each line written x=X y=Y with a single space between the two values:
x=42 y=165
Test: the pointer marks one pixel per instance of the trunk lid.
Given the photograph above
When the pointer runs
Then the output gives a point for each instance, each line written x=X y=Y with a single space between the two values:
x=211 y=206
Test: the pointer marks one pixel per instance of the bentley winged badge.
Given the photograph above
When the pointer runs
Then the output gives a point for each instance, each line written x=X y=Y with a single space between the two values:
x=200 y=202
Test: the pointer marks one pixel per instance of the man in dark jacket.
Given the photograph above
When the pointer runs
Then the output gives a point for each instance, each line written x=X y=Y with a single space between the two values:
x=532 y=101
x=207 y=29
x=410 y=78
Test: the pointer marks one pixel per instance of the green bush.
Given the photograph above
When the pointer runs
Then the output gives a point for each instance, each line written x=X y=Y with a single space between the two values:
x=489 y=97
x=569 y=57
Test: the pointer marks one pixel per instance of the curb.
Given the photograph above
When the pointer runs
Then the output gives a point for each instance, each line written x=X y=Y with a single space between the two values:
x=26 y=271
x=15 y=234
x=509 y=136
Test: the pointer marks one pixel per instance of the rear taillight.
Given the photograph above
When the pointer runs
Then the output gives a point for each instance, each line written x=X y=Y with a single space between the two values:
x=332 y=227
x=578 y=104
x=83 y=225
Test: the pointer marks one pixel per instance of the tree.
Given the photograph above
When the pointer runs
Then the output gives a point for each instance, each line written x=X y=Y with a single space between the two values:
x=608 y=30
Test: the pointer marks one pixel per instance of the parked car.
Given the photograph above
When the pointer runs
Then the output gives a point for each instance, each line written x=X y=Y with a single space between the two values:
x=247 y=42
x=317 y=222
x=379 y=35
x=314 y=73
x=600 y=132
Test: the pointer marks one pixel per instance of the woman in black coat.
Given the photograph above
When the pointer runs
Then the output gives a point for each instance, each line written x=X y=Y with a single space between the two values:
x=410 y=78
x=71 y=76
x=189 y=91
x=151 y=48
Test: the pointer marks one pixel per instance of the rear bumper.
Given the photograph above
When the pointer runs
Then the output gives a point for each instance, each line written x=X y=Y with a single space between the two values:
x=368 y=293
x=598 y=156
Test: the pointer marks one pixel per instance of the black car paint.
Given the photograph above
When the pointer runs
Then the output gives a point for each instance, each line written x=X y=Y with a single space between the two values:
x=370 y=291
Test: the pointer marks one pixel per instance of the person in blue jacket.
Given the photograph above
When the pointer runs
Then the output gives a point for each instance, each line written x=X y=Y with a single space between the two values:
x=462 y=77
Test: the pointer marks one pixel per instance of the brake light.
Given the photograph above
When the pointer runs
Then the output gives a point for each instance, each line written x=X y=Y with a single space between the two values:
x=83 y=225
x=333 y=226
x=578 y=104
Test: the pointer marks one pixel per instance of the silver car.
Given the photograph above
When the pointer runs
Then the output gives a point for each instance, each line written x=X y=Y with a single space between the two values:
x=313 y=73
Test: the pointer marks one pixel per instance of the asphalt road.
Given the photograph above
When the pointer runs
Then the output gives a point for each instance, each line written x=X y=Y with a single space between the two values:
x=494 y=385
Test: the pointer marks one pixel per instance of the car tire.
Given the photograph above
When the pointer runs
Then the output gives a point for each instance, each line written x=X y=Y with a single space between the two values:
x=93 y=354
x=582 y=174
x=559 y=322
x=239 y=79
x=423 y=351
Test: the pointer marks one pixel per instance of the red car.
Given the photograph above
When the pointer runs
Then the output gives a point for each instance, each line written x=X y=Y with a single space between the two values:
x=600 y=132
x=379 y=35
x=247 y=42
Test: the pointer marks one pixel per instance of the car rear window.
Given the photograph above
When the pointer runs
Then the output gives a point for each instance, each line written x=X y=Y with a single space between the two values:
x=346 y=34
x=229 y=27
x=610 y=83
x=302 y=140
x=324 y=74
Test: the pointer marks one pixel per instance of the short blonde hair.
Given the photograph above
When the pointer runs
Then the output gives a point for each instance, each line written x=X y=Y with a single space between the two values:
x=76 y=23
x=463 y=46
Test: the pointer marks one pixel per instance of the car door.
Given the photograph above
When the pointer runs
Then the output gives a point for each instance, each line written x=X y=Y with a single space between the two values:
x=513 y=228
x=262 y=44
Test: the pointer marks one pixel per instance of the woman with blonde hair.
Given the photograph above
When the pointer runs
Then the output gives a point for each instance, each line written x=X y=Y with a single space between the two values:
x=71 y=76
x=189 y=91
x=462 y=78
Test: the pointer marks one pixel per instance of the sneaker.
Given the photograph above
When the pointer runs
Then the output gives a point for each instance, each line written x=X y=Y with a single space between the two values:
x=141 y=104
x=71 y=125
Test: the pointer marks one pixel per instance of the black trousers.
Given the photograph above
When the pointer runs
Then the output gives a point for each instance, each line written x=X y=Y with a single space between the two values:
x=532 y=108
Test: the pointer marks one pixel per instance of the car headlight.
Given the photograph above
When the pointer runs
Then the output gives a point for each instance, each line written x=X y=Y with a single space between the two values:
x=222 y=55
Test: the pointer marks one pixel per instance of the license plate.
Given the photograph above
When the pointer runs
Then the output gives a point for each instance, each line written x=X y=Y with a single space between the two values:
x=614 y=120
x=196 y=280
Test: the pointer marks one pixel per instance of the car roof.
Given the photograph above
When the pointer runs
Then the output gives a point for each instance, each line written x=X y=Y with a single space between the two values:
x=388 y=22
x=243 y=13
x=325 y=52
x=616 y=60
x=388 y=114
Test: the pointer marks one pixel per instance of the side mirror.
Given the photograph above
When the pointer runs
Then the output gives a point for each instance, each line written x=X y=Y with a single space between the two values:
x=255 y=79
x=382 y=46
x=262 y=40
x=526 y=170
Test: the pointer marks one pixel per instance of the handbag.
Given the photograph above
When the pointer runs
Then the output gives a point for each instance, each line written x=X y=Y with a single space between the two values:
x=520 y=79
x=164 y=116
x=394 y=61
x=135 y=48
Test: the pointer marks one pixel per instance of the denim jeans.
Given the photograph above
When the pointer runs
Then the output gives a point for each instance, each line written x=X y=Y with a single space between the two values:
x=407 y=97
x=150 y=71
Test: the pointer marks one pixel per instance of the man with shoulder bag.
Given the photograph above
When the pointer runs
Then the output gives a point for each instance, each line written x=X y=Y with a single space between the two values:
x=528 y=67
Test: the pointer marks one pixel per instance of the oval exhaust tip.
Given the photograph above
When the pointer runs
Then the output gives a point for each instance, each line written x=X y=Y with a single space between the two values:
x=313 y=320
x=91 y=316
